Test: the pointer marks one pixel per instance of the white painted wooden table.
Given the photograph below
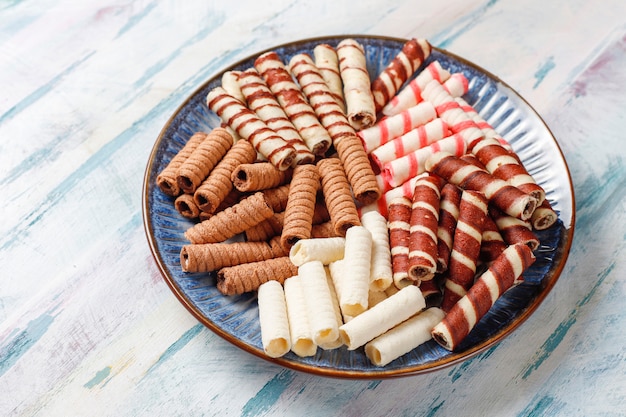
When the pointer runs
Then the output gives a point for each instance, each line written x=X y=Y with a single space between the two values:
x=88 y=327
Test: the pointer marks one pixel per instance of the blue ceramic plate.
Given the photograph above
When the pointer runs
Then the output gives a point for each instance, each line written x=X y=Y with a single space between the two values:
x=235 y=318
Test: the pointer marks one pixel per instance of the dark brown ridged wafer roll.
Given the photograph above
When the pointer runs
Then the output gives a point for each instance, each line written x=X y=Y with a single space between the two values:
x=239 y=279
x=231 y=221
x=203 y=159
x=492 y=243
x=503 y=273
x=544 y=216
x=337 y=195
x=218 y=185
x=301 y=205
x=514 y=230
x=399 y=216
x=423 y=232
x=259 y=176
x=166 y=179
x=500 y=193
x=277 y=197
x=465 y=247
x=448 y=217
x=186 y=206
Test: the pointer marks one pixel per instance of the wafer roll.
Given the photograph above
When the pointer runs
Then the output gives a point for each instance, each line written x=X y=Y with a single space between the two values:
x=217 y=186
x=277 y=197
x=262 y=101
x=302 y=343
x=230 y=83
x=431 y=290
x=404 y=190
x=399 y=232
x=399 y=70
x=267 y=229
x=501 y=194
x=492 y=243
x=301 y=205
x=323 y=230
x=324 y=250
x=449 y=204
x=381 y=272
x=503 y=273
x=353 y=296
x=514 y=230
x=488 y=130
x=166 y=179
x=186 y=206
x=239 y=279
x=273 y=320
x=259 y=176
x=337 y=195
x=327 y=61
x=544 y=216
x=360 y=107
x=457 y=85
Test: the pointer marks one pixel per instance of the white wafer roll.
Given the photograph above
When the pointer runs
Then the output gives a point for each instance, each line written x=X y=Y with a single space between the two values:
x=354 y=287
x=319 y=302
x=335 y=300
x=327 y=61
x=381 y=274
x=230 y=83
x=404 y=337
x=325 y=250
x=302 y=343
x=382 y=317
x=360 y=107
x=275 y=334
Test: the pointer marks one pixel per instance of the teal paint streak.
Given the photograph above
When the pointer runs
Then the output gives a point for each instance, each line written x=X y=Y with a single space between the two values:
x=546 y=406
x=177 y=345
x=269 y=394
x=434 y=409
x=545 y=68
x=134 y=20
x=100 y=376
x=446 y=38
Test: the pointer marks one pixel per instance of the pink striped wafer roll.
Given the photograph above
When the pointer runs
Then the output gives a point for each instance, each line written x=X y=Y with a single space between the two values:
x=414 y=163
x=456 y=85
x=448 y=218
x=411 y=94
x=500 y=193
x=399 y=232
x=249 y=126
x=261 y=101
x=514 y=230
x=392 y=127
x=487 y=129
x=293 y=102
x=505 y=272
x=404 y=190
x=465 y=247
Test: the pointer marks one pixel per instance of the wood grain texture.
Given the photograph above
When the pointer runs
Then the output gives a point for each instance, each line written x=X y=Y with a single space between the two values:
x=88 y=326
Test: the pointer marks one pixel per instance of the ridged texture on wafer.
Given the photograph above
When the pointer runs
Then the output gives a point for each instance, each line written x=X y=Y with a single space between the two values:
x=186 y=206
x=300 y=205
x=277 y=197
x=259 y=176
x=399 y=218
x=448 y=217
x=166 y=179
x=239 y=279
x=360 y=107
x=337 y=195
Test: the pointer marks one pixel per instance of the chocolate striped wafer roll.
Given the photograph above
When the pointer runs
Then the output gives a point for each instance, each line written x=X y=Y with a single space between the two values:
x=217 y=186
x=230 y=83
x=514 y=230
x=423 y=228
x=300 y=205
x=399 y=233
x=544 y=216
x=412 y=55
x=449 y=203
x=492 y=243
x=431 y=290
x=360 y=107
x=500 y=193
x=186 y=206
x=293 y=102
x=239 y=279
x=259 y=176
x=337 y=195
x=327 y=61
x=262 y=101
x=503 y=273
x=166 y=179
x=465 y=247
x=250 y=127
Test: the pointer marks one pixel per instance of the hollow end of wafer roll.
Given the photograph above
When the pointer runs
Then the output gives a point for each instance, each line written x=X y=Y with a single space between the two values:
x=421 y=273
x=168 y=185
x=187 y=207
x=529 y=208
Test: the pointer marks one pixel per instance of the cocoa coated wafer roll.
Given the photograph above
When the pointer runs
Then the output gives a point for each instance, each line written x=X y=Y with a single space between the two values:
x=327 y=61
x=186 y=206
x=465 y=247
x=412 y=55
x=449 y=203
x=203 y=159
x=277 y=197
x=492 y=243
x=239 y=279
x=231 y=221
x=267 y=229
x=423 y=222
x=503 y=273
x=262 y=101
x=300 y=205
x=166 y=179
x=337 y=195
x=398 y=221
x=293 y=102
x=259 y=176
x=360 y=107
x=217 y=186
x=325 y=229
x=544 y=216
x=500 y=193
x=514 y=230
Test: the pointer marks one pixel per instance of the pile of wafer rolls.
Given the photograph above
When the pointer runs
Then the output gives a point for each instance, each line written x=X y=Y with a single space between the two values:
x=375 y=214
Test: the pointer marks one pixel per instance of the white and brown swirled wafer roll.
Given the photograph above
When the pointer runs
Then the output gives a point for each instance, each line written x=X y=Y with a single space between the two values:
x=230 y=83
x=337 y=195
x=412 y=55
x=423 y=231
x=449 y=203
x=503 y=273
x=360 y=107
x=514 y=230
x=500 y=193
x=166 y=179
x=293 y=102
x=250 y=127
x=327 y=61
x=492 y=243
x=300 y=205
x=259 y=176
x=404 y=190
x=544 y=216
x=186 y=206
x=262 y=101
x=239 y=279
x=465 y=247
x=399 y=218
x=217 y=186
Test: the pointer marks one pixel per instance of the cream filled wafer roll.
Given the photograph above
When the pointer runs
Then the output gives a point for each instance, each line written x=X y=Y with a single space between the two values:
x=337 y=195
x=217 y=186
x=259 y=176
x=449 y=110
x=262 y=101
x=357 y=256
x=414 y=163
x=302 y=343
x=324 y=250
x=360 y=107
x=544 y=216
x=318 y=300
x=503 y=273
x=273 y=319
x=293 y=102
x=300 y=205
x=242 y=278
x=381 y=273
x=411 y=94
x=382 y=317
x=465 y=247
x=395 y=126
x=230 y=83
x=423 y=222
x=449 y=204
x=399 y=233
x=415 y=139
x=166 y=179
x=412 y=55
x=186 y=206
x=492 y=243
x=327 y=61
x=404 y=337
x=500 y=193
x=250 y=127
x=514 y=230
